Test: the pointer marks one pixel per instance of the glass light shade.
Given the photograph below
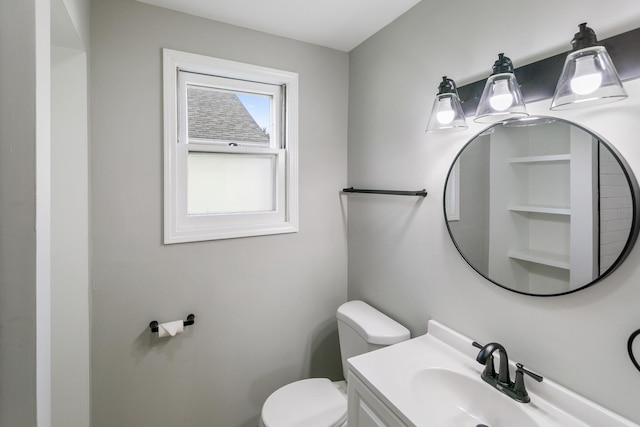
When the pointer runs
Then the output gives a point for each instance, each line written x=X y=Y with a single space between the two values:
x=588 y=78
x=446 y=114
x=501 y=99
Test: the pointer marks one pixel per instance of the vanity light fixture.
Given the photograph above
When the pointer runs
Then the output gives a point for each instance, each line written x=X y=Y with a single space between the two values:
x=446 y=114
x=589 y=76
x=501 y=98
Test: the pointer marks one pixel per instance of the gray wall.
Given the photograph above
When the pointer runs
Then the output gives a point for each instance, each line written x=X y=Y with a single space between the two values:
x=17 y=204
x=472 y=230
x=400 y=256
x=264 y=306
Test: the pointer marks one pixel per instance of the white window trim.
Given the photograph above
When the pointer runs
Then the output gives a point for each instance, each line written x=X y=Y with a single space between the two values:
x=211 y=227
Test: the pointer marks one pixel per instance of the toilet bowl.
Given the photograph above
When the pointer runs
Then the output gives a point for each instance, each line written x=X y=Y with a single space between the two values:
x=314 y=402
x=318 y=402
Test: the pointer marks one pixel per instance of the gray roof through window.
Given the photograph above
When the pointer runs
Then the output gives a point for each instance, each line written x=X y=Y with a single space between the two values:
x=219 y=115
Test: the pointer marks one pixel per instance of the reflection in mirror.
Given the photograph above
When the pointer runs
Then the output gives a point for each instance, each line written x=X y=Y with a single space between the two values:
x=541 y=207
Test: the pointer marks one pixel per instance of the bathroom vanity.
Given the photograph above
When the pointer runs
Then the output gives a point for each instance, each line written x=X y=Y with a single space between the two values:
x=434 y=380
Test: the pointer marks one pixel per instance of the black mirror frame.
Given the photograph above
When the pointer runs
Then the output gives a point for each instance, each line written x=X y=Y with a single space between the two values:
x=635 y=196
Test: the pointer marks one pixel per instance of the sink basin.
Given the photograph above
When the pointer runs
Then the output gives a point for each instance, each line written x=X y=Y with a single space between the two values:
x=453 y=399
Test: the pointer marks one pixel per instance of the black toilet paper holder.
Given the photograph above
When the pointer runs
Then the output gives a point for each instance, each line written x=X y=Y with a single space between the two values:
x=191 y=319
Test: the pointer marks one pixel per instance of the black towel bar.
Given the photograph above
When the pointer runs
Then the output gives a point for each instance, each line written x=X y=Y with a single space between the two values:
x=422 y=193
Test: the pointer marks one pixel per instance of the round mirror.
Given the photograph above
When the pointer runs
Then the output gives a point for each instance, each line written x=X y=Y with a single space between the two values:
x=541 y=206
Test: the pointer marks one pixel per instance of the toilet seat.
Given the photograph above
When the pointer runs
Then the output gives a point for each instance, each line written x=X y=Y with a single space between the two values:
x=313 y=402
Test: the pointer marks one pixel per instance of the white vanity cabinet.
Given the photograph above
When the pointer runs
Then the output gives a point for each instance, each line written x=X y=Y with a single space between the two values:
x=366 y=409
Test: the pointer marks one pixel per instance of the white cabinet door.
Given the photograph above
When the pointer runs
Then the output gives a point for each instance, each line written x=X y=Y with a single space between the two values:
x=367 y=410
x=367 y=418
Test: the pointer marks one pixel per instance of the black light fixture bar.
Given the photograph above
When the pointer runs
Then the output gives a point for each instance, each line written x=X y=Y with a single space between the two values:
x=538 y=80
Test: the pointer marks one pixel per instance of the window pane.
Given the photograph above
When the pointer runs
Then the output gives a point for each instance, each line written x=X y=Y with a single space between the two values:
x=220 y=115
x=228 y=183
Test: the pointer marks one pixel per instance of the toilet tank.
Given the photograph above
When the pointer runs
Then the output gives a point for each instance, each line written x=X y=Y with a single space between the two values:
x=362 y=328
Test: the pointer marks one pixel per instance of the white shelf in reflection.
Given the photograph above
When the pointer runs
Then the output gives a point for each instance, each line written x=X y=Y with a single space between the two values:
x=554 y=210
x=541 y=257
x=542 y=159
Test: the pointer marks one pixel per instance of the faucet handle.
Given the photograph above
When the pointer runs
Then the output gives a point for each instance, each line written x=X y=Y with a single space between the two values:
x=520 y=368
x=518 y=386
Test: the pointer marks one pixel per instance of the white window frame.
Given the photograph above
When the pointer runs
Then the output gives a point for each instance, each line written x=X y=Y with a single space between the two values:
x=179 y=227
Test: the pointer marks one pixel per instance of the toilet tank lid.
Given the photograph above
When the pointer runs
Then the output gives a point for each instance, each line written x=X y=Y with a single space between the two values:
x=374 y=326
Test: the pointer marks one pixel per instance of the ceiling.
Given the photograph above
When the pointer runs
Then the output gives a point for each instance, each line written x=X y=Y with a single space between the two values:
x=338 y=24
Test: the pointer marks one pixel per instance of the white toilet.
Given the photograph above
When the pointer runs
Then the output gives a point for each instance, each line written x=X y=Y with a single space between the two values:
x=317 y=402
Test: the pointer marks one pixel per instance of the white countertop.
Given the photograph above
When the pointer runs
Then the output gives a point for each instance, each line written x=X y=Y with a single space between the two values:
x=390 y=372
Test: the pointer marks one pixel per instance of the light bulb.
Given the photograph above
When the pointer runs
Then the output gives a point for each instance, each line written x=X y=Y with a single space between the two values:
x=587 y=78
x=445 y=113
x=502 y=97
